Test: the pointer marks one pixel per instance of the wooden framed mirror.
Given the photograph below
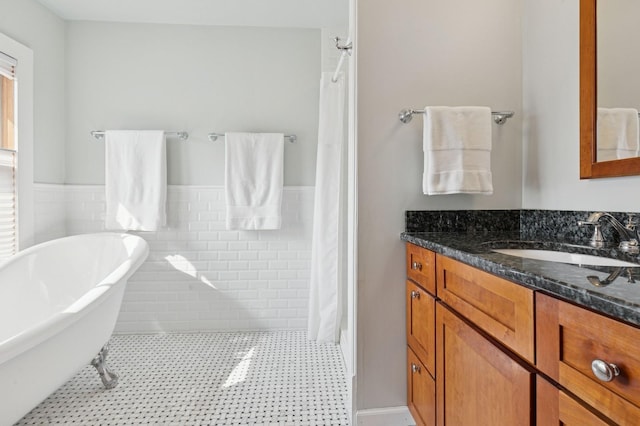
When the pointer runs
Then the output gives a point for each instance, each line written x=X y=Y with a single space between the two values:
x=590 y=167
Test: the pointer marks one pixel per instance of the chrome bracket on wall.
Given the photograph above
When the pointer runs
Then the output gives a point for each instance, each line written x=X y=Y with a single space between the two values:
x=345 y=47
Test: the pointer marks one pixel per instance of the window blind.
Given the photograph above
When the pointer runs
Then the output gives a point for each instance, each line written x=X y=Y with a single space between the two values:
x=7 y=203
x=8 y=158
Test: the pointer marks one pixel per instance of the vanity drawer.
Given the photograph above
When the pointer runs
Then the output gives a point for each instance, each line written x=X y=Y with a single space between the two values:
x=421 y=391
x=570 y=338
x=421 y=267
x=421 y=325
x=499 y=307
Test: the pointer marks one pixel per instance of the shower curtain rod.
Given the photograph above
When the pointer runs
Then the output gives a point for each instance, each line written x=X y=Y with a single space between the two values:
x=99 y=134
x=346 y=50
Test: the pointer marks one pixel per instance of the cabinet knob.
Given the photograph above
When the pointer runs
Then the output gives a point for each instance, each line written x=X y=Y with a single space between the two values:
x=604 y=371
x=416 y=266
x=415 y=368
x=415 y=294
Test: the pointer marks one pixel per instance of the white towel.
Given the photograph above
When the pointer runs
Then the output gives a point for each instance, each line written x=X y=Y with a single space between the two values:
x=457 y=150
x=617 y=135
x=253 y=180
x=135 y=180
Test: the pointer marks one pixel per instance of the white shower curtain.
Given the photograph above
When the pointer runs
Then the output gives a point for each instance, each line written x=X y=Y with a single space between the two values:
x=324 y=294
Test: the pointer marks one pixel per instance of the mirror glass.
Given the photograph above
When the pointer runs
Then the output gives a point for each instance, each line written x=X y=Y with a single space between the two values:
x=609 y=146
x=618 y=65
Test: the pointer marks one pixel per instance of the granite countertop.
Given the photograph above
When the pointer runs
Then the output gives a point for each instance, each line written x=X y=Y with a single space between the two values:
x=618 y=296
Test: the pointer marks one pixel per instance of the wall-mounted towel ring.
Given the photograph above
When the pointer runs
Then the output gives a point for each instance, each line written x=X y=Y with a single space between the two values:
x=500 y=117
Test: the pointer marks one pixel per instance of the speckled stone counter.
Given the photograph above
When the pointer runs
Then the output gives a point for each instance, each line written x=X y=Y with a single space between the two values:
x=617 y=296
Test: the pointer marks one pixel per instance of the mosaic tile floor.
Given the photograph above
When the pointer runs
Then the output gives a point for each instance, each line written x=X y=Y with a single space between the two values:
x=253 y=378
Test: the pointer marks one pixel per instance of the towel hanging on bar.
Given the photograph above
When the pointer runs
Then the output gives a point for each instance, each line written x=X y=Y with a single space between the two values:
x=457 y=150
x=254 y=167
x=135 y=180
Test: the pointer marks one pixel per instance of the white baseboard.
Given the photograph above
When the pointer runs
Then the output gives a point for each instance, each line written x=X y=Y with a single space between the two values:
x=396 y=416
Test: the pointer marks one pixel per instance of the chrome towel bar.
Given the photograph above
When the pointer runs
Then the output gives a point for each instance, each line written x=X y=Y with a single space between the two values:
x=99 y=134
x=214 y=137
x=500 y=117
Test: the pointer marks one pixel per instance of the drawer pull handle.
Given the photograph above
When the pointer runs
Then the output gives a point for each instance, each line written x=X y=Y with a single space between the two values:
x=416 y=266
x=415 y=368
x=415 y=294
x=604 y=371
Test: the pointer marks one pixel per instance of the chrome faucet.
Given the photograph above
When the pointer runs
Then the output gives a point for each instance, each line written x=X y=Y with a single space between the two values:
x=628 y=234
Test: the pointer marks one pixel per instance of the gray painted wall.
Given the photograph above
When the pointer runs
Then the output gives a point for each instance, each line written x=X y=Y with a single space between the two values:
x=29 y=23
x=458 y=52
x=194 y=78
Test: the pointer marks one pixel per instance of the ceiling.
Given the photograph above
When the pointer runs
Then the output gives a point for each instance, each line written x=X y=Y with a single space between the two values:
x=260 y=13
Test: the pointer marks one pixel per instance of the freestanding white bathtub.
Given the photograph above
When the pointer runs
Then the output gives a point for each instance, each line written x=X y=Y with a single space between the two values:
x=59 y=302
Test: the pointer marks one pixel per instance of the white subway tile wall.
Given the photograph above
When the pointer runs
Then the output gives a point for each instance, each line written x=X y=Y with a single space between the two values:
x=199 y=276
x=50 y=215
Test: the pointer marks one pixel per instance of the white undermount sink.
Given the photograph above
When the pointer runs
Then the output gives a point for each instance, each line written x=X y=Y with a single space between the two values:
x=565 y=257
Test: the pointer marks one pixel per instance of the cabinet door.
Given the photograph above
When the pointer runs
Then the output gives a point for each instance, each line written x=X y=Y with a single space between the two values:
x=554 y=407
x=421 y=391
x=421 y=325
x=478 y=383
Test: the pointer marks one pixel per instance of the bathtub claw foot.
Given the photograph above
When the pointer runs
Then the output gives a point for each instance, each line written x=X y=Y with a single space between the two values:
x=108 y=377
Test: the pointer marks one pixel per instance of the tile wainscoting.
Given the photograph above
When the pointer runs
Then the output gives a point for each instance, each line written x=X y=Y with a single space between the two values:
x=199 y=276
x=50 y=212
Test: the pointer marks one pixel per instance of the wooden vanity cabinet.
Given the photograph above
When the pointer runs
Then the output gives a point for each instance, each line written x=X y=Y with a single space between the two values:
x=498 y=353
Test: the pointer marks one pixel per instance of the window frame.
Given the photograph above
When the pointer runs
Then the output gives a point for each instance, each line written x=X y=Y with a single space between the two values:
x=24 y=132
